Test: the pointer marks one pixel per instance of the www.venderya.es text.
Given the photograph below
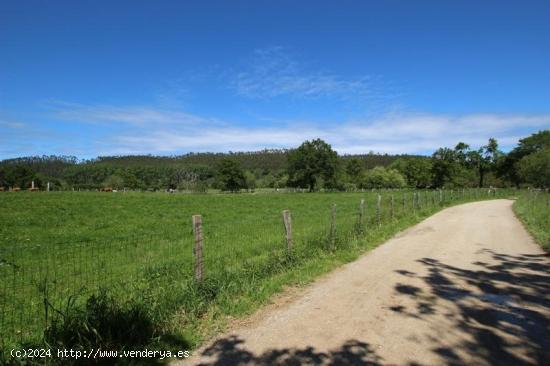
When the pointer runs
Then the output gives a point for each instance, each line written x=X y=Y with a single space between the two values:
x=96 y=353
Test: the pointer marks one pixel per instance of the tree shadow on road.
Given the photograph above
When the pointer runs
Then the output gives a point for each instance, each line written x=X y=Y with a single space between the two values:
x=504 y=308
x=230 y=351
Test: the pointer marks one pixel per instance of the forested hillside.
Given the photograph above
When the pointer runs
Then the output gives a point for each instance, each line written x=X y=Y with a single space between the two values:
x=267 y=168
x=314 y=165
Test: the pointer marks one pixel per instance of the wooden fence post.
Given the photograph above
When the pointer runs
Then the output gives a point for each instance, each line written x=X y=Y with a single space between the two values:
x=288 y=229
x=362 y=213
x=197 y=249
x=426 y=199
x=378 y=210
x=333 y=226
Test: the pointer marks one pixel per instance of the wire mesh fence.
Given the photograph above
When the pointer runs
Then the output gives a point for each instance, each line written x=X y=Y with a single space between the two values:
x=37 y=280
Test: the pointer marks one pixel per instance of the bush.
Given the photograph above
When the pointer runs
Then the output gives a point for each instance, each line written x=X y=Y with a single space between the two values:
x=102 y=324
x=380 y=177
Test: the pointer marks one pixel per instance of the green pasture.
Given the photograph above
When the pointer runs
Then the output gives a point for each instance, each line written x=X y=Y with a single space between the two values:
x=57 y=248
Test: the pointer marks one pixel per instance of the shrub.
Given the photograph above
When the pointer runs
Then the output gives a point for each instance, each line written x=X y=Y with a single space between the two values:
x=102 y=323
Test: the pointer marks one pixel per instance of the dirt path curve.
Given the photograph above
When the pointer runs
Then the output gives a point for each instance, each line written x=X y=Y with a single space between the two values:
x=467 y=286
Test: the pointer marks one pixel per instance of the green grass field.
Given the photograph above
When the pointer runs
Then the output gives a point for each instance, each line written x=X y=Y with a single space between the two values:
x=533 y=208
x=67 y=245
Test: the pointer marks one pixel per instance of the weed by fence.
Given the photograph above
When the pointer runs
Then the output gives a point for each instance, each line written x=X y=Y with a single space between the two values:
x=230 y=255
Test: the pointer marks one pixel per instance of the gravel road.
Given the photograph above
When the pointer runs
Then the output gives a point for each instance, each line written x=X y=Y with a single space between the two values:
x=467 y=286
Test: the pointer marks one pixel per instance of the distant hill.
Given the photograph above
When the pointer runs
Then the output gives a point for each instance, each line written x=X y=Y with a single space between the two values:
x=264 y=160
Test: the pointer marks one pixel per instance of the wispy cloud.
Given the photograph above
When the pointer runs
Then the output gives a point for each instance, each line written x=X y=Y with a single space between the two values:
x=422 y=133
x=272 y=72
x=159 y=131
x=11 y=124
x=131 y=115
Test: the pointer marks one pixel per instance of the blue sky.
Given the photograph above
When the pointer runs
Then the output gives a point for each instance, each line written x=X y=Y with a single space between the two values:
x=91 y=78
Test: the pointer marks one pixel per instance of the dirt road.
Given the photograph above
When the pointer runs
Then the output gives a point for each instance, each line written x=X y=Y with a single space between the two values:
x=467 y=286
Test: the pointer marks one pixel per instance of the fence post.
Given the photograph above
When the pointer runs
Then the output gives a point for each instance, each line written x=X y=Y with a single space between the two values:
x=48 y=187
x=391 y=207
x=426 y=199
x=361 y=213
x=197 y=249
x=333 y=226
x=378 y=210
x=288 y=229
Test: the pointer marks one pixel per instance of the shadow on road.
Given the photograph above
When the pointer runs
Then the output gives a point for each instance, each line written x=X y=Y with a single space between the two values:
x=503 y=307
x=227 y=351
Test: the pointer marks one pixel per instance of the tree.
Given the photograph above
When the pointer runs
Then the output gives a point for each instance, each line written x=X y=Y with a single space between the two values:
x=484 y=159
x=354 y=168
x=461 y=153
x=250 y=180
x=444 y=166
x=313 y=165
x=417 y=171
x=535 y=168
x=113 y=181
x=507 y=167
x=380 y=177
x=230 y=176
x=17 y=175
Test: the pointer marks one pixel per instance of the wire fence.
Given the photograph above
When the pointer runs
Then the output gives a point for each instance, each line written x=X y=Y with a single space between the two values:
x=251 y=243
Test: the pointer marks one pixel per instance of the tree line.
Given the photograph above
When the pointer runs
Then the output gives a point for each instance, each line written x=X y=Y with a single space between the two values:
x=314 y=165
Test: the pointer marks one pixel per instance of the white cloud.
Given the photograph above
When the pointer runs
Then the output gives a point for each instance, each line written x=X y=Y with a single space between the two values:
x=158 y=131
x=272 y=72
x=131 y=115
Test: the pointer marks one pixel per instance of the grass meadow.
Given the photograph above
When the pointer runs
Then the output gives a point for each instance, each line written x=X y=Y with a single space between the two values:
x=533 y=209
x=59 y=248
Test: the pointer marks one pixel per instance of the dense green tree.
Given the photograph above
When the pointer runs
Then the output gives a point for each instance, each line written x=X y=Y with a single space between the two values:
x=444 y=166
x=417 y=171
x=230 y=176
x=250 y=180
x=534 y=168
x=17 y=175
x=354 y=168
x=313 y=165
x=507 y=165
x=380 y=177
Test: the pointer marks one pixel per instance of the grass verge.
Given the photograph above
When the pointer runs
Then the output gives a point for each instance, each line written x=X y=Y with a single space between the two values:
x=533 y=210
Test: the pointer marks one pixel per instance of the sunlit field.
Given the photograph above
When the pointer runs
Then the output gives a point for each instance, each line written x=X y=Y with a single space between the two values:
x=58 y=248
